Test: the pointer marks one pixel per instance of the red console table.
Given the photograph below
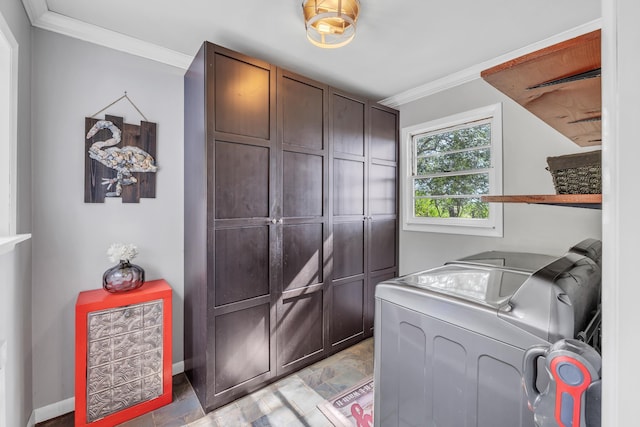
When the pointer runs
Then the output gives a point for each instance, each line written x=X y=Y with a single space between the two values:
x=123 y=354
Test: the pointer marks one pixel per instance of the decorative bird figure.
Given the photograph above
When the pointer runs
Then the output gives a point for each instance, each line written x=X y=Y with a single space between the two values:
x=124 y=160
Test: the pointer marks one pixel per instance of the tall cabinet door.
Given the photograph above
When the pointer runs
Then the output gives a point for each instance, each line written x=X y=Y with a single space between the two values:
x=382 y=209
x=347 y=125
x=242 y=238
x=302 y=222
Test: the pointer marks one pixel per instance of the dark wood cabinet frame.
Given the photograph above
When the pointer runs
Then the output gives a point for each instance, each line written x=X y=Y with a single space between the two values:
x=291 y=219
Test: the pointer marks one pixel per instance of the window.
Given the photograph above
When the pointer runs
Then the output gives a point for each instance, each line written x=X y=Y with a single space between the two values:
x=449 y=163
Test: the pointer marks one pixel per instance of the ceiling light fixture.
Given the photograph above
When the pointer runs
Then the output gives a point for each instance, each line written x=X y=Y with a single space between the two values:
x=330 y=23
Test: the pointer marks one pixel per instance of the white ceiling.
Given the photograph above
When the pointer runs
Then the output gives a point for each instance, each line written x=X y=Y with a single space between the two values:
x=400 y=45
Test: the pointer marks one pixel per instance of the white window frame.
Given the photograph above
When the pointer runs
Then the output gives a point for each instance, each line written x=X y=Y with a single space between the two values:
x=8 y=138
x=493 y=226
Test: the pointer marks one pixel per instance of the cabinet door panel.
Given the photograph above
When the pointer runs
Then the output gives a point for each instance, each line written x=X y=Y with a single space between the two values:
x=302 y=255
x=302 y=184
x=242 y=98
x=242 y=181
x=241 y=346
x=300 y=328
x=241 y=264
x=383 y=244
x=348 y=249
x=383 y=138
x=303 y=114
x=382 y=191
x=347 y=315
x=348 y=125
x=348 y=187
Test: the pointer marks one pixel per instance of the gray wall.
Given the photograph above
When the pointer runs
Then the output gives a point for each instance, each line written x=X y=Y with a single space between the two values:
x=527 y=142
x=15 y=267
x=71 y=80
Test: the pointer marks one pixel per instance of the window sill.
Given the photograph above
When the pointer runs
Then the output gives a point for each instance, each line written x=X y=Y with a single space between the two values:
x=8 y=243
x=488 y=231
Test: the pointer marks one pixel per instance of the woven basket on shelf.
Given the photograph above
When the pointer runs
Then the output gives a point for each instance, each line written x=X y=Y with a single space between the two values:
x=577 y=173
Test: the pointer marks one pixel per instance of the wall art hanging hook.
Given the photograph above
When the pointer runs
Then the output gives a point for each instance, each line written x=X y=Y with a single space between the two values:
x=125 y=96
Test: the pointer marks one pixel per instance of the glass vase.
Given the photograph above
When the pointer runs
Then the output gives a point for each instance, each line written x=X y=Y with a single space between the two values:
x=123 y=277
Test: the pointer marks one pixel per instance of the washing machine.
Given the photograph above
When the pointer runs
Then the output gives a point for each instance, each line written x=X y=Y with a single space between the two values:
x=449 y=341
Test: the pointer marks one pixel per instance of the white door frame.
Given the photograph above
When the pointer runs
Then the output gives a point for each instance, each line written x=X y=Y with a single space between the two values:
x=621 y=212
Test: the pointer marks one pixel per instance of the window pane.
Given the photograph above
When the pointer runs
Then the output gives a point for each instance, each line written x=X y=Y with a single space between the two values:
x=467 y=160
x=459 y=139
x=470 y=208
x=457 y=185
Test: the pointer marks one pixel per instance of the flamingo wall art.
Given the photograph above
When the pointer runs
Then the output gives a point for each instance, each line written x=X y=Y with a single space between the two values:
x=120 y=160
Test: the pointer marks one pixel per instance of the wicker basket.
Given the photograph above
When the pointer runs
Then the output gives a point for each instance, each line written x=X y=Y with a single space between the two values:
x=577 y=173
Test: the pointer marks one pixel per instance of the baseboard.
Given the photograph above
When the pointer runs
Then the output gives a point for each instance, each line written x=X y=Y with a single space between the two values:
x=68 y=405
x=32 y=420
x=177 y=368
x=54 y=410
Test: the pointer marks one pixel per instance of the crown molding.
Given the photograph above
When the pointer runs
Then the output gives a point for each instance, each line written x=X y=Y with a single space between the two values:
x=473 y=73
x=35 y=9
x=41 y=17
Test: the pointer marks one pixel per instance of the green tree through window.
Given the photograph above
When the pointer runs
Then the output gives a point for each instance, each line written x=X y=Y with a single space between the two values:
x=451 y=171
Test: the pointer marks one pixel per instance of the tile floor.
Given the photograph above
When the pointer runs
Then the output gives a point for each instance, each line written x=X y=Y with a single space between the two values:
x=290 y=402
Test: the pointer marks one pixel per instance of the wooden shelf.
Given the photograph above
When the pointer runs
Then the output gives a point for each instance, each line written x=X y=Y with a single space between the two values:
x=591 y=201
x=560 y=84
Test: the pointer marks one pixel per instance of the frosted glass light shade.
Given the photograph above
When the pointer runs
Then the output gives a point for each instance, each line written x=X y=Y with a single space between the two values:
x=330 y=23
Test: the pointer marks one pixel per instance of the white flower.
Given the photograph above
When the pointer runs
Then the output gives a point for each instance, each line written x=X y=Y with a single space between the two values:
x=118 y=251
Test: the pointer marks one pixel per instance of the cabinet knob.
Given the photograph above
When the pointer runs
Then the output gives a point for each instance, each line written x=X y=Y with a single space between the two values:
x=273 y=220
x=280 y=221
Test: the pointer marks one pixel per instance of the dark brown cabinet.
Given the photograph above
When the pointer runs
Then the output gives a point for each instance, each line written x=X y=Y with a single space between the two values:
x=290 y=220
x=347 y=122
x=382 y=197
x=230 y=240
x=302 y=266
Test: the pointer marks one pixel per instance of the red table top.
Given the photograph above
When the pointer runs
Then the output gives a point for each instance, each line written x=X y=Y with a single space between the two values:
x=99 y=298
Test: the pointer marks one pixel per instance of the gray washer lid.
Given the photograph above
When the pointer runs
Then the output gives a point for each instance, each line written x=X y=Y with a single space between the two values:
x=521 y=261
x=488 y=286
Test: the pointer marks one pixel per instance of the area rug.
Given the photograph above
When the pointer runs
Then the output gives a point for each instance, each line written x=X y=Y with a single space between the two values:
x=352 y=407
